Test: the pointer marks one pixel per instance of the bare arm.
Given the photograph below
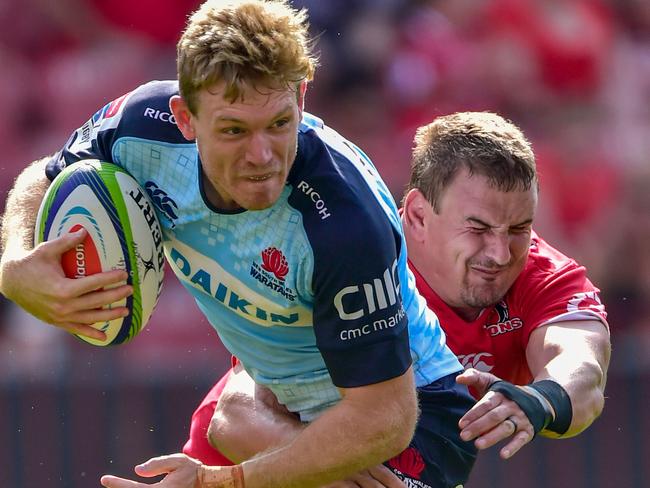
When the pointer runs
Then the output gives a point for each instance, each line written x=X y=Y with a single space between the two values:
x=369 y=425
x=33 y=278
x=249 y=420
x=574 y=354
x=22 y=205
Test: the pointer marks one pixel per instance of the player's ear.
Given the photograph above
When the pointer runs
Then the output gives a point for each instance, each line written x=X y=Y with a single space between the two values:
x=183 y=117
x=414 y=210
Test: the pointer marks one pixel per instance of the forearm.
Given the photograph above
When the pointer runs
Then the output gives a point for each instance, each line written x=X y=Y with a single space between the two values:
x=577 y=359
x=21 y=208
x=347 y=438
x=585 y=386
x=23 y=202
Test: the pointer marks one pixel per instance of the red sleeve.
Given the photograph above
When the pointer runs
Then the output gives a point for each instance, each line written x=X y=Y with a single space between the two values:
x=197 y=446
x=554 y=287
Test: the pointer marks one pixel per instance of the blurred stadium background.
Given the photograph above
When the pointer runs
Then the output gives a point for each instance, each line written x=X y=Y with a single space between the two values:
x=575 y=74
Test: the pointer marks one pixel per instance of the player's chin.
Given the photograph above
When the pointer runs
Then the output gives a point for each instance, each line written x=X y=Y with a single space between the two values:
x=484 y=296
x=261 y=199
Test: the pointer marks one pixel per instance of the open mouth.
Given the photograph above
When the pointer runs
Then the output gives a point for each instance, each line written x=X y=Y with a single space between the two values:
x=260 y=177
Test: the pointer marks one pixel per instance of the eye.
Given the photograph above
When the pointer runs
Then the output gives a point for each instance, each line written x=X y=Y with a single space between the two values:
x=477 y=230
x=278 y=124
x=520 y=230
x=232 y=131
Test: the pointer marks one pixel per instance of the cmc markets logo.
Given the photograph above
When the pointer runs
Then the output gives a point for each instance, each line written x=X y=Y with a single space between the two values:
x=483 y=361
x=162 y=201
x=504 y=323
x=409 y=462
x=379 y=294
x=273 y=271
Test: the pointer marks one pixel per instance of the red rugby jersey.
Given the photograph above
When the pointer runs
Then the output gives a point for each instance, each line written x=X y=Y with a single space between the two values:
x=551 y=288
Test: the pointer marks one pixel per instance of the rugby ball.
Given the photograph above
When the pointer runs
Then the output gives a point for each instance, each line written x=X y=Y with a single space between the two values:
x=123 y=232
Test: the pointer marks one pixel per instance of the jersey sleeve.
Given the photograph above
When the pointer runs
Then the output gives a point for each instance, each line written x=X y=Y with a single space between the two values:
x=93 y=140
x=562 y=294
x=142 y=114
x=359 y=318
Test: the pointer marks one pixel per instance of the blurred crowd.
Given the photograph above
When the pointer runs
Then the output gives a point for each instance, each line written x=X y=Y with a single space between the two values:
x=574 y=74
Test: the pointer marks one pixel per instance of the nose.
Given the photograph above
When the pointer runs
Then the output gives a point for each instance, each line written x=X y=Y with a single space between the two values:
x=259 y=150
x=497 y=248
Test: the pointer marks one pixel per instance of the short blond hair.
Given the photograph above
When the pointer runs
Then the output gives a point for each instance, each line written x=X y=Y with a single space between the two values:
x=482 y=142
x=243 y=42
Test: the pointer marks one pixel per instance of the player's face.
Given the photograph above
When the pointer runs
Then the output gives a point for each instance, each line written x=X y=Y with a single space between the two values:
x=478 y=242
x=247 y=147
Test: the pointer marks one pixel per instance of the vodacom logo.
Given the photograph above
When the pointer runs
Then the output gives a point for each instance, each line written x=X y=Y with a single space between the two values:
x=483 y=361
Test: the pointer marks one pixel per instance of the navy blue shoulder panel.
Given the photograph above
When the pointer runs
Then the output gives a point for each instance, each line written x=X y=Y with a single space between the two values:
x=359 y=320
x=143 y=113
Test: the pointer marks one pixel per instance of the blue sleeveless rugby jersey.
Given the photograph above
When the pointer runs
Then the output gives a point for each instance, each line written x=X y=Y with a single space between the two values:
x=310 y=294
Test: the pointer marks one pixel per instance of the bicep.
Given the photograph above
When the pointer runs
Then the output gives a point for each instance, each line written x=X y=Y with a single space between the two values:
x=566 y=346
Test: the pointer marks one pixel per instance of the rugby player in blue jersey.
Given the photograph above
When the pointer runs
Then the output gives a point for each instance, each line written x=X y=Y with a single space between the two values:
x=291 y=245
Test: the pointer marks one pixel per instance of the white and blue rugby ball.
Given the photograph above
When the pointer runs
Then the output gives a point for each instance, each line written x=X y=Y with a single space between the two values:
x=123 y=233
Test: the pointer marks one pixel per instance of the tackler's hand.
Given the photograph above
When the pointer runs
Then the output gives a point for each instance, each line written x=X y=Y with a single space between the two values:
x=494 y=418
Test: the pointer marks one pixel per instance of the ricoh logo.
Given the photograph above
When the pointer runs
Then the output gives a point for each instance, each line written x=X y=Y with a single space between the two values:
x=380 y=294
x=316 y=198
x=153 y=113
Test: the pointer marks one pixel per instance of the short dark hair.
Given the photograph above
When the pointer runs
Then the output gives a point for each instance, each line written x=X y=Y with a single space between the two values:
x=482 y=142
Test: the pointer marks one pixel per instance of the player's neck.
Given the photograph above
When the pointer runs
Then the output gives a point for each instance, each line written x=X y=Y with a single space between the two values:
x=468 y=314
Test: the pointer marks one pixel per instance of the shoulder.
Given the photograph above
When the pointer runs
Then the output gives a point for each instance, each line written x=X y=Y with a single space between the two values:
x=145 y=112
x=553 y=285
x=546 y=263
x=336 y=185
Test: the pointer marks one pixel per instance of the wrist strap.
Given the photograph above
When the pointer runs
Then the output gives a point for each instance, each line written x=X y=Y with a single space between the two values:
x=220 y=477
x=535 y=410
x=559 y=400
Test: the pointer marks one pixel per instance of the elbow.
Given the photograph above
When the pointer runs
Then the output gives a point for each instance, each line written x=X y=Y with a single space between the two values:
x=588 y=406
x=223 y=433
x=402 y=430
